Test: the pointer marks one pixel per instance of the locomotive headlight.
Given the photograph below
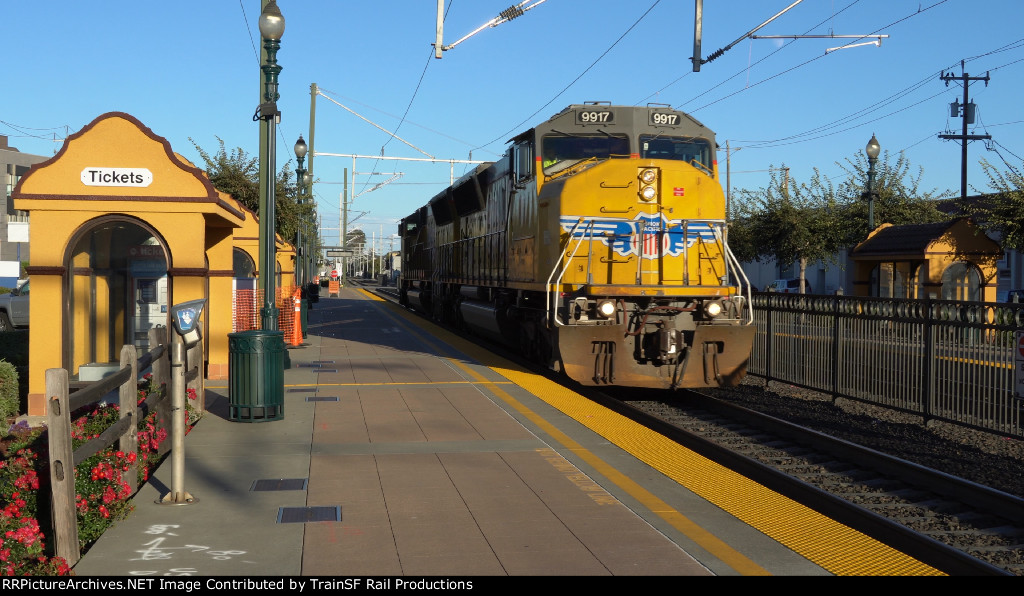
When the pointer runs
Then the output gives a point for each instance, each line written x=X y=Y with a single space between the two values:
x=713 y=308
x=606 y=308
x=648 y=184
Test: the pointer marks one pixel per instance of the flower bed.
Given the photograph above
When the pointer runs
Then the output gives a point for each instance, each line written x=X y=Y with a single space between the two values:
x=102 y=494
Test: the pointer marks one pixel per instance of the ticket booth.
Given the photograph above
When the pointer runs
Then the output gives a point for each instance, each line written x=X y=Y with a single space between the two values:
x=122 y=227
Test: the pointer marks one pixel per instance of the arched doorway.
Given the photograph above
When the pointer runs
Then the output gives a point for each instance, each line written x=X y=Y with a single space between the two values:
x=117 y=289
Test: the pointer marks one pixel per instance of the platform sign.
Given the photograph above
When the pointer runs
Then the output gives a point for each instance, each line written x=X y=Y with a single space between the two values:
x=1018 y=363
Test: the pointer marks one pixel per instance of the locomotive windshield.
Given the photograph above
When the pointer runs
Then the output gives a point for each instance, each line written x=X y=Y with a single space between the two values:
x=560 y=151
x=688 y=149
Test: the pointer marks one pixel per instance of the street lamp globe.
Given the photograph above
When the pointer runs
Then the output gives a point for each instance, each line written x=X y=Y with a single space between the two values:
x=271 y=22
x=873 y=148
x=301 y=148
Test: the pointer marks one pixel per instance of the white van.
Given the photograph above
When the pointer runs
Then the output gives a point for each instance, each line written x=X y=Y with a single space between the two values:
x=788 y=286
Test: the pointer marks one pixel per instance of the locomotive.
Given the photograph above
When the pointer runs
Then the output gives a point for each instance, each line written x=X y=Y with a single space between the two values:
x=597 y=246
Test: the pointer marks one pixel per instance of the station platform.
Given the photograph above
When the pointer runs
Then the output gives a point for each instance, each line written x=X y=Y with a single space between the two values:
x=406 y=451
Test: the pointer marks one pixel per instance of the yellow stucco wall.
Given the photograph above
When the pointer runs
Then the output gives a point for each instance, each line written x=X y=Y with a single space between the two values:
x=194 y=222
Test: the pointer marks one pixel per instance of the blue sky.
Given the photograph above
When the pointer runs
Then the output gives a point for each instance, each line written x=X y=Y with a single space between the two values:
x=190 y=70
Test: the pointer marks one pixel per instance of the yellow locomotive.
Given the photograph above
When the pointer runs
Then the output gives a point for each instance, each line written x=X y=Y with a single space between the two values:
x=597 y=246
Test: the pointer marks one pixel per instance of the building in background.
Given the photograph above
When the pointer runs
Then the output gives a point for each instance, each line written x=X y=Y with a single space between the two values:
x=13 y=223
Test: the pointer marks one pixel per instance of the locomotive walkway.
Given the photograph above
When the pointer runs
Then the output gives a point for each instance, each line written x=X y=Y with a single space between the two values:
x=400 y=454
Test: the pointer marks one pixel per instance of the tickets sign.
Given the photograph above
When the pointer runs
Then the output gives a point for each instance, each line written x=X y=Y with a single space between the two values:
x=139 y=177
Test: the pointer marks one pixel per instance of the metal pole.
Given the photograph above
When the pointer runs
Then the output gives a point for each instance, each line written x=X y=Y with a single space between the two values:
x=871 y=193
x=310 y=243
x=178 y=494
x=963 y=143
x=697 y=26
x=438 y=45
x=269 y=114
x=344 y=229
x=299 y=173
x=270 y=313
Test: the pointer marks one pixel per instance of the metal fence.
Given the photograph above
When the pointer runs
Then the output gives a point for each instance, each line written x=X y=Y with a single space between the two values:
x=941 y=359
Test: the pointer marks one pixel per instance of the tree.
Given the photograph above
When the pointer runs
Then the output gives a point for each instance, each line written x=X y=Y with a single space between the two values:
x=1002 y=212
x=899 y=198
x=788 y=222
x=238 y=175
x=794 y=222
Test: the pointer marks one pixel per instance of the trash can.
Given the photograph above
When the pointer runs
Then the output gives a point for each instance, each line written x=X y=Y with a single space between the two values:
x=256 y=376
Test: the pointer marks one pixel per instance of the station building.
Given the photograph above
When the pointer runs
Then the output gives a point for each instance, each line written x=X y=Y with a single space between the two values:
x=123 y=227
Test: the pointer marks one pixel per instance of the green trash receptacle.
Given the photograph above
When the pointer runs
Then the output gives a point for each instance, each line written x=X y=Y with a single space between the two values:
x=304 y=316
x=256 y=376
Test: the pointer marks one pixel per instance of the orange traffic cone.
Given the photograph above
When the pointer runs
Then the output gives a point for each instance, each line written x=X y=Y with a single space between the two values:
x=295 y=336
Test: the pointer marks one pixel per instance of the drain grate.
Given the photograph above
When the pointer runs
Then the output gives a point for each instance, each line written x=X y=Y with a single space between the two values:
x=322 y=398
x=323 y=362
x=326 y=370
x=301 y=390
x=301 y=515
x=279 y=484
x=308 y=365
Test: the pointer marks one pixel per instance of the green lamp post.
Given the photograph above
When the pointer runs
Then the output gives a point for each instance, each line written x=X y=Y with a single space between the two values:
x=872 y=150
x=271 y=26
x=300 y=182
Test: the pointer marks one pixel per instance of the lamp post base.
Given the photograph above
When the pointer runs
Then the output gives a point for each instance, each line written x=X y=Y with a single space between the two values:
x=172 y=498
x=269 y=316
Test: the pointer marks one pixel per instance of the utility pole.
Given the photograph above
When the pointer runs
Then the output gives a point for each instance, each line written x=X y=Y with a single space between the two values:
x=966 y=111
x=344 y=229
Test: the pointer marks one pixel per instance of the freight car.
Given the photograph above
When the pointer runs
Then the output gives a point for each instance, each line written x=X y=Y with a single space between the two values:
x=597 y=246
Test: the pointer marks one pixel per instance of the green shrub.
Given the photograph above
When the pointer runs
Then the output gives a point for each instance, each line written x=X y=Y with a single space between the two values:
x=9 y=395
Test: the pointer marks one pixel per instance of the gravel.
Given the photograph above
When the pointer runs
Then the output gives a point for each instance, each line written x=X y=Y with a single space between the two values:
x=974 y=455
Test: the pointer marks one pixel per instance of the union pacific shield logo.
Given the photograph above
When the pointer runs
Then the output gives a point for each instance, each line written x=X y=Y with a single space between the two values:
x=650 y=235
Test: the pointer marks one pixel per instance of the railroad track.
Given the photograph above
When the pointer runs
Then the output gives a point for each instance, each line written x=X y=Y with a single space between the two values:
x=959 y=527
x=954 y=525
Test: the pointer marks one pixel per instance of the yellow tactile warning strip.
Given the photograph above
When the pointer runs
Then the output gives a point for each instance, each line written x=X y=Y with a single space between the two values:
x=834 y=546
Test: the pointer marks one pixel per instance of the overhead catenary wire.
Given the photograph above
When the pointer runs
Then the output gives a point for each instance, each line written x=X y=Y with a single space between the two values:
x=514 y=129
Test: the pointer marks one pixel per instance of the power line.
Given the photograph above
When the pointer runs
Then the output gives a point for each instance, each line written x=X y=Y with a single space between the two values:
x=574 y=81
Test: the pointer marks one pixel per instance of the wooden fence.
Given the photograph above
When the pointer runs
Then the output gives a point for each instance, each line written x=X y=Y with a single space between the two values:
x=61 y=402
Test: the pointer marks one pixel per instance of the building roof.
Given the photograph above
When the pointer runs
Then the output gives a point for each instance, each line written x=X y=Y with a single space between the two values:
x=910 y=238
x=917 y=240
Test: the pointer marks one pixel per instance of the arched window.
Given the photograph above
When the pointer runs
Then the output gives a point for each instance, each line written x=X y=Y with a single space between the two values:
x=116 y=287
x=244 y=266
x=961 y=281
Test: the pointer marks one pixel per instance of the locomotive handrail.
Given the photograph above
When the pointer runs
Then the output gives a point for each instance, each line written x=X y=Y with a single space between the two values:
x=736 y=265
x=579 y=243
x=547 y=287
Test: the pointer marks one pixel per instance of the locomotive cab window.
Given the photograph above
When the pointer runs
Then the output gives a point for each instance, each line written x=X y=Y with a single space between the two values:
x=562 y=151
x=693 y=151
x=522 y=160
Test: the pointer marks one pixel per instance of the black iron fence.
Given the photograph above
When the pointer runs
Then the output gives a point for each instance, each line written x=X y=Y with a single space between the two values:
x=943 y=360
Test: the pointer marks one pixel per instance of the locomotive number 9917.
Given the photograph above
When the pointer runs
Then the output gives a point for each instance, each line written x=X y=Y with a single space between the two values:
x=595 y=117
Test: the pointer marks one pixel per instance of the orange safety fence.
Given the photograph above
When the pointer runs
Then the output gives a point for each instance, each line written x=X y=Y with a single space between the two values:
x=248 y=303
